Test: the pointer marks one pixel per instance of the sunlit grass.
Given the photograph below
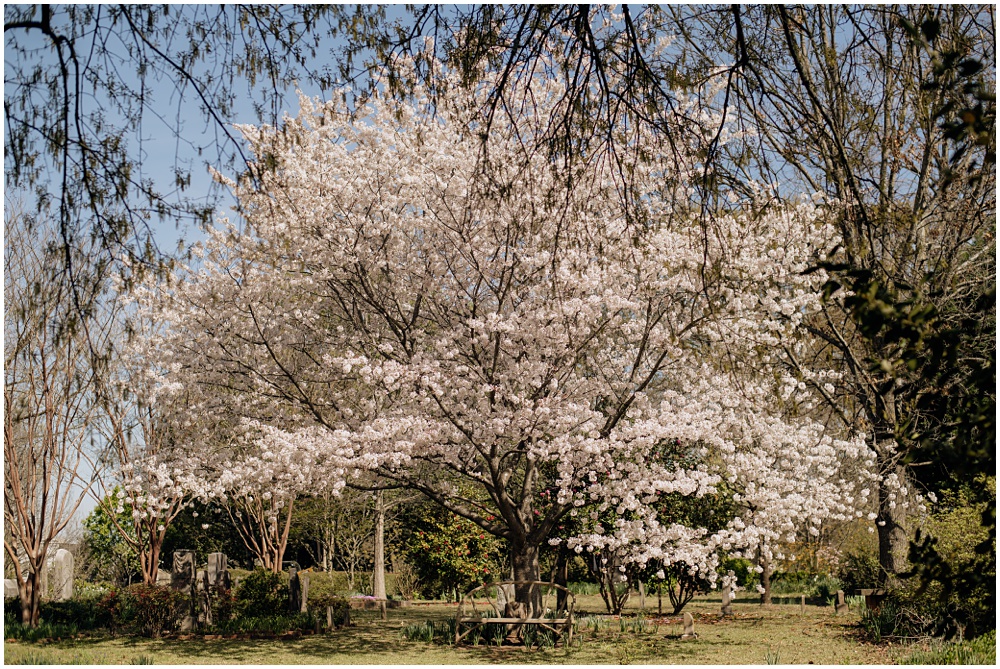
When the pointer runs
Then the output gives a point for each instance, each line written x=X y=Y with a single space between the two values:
x=754 y=635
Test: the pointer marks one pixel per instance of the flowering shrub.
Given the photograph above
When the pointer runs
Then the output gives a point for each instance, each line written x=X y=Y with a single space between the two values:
x=144 y=610
x=223 y=605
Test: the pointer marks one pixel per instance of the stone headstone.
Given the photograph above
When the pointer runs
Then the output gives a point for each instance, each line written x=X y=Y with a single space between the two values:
x=225 y=581
x=841 y=604
x=294 y=591
x=688 y=627
x=61 y=580
x=217 y=563
x=200 y=580
x=501 y=599
x=803 y=603
x=727 y=600
x=162 y=577
x=182 y=576
x=303 y=592
x=204 y=598
x=9 y=588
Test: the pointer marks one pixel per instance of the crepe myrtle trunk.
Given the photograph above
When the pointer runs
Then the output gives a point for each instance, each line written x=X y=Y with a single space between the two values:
x=30 y=593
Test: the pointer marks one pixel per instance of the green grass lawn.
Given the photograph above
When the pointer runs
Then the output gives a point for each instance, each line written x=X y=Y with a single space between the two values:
x=780 y=633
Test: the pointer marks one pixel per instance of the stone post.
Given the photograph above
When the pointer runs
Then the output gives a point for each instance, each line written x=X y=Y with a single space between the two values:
x=727 y=600
x=841 y=604
x=689 y=627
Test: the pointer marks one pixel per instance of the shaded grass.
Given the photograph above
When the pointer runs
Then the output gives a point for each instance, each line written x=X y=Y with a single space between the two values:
x=751 y=636
x=978 y=651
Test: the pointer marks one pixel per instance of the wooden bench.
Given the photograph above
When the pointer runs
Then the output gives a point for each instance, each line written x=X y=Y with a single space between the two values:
x=471 y=618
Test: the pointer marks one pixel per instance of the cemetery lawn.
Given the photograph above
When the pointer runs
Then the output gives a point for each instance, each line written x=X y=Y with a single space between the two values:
x=780 y=633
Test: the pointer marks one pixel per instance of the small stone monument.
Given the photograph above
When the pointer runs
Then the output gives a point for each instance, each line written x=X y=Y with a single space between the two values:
x=727 y=600
x=9 y=588
x=841 y=604
x=689 y=632
x=182 y=579
x=182 y=576
x=162 y=577
x=803 y=603
x=204 y=598
x=501 y=599
x=62 y=576
x=294 y=590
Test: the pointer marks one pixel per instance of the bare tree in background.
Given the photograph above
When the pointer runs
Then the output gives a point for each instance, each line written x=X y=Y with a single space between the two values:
x=49 y=408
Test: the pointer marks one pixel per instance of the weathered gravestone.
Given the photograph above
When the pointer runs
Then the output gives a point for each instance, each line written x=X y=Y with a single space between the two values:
x=689 y=627
x=183 y=573
x=182 y=579
x=294 y=590
x=61 y=579
x=204 y=598
x=841 y=604
x=303 y=591
x=217 y=564
x=727 y=600
x=803 y=603
x=9 y=588
x=505 y=593
x=163 y=577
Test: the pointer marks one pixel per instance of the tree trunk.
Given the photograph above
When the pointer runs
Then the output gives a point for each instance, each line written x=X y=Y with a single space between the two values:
x=893 y=541
x=151 y=562
x=765 y=579
x=30 y=593
x=561 y=576
x=524 y=558
x=378 y=577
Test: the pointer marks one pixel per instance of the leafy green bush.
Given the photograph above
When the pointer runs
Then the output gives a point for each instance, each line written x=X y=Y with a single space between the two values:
x=859 y=571
x=81 y=613
x=824 y=587
x=258 y=592
x=319 y=603
x=791 y=583
x=746 y=576
x=84 y=613
x=982 y=650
